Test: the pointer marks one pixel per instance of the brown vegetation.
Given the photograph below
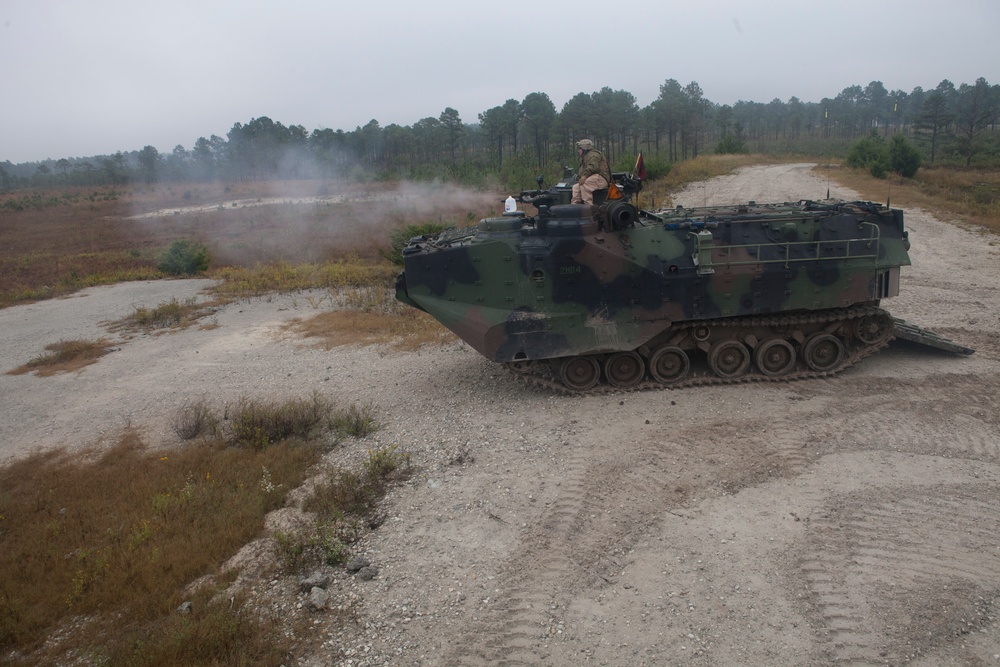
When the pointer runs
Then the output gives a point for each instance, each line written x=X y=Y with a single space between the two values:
x=171 y=315
x=65 y=356
x=120 y=534
x=98 y=549
x=61 y=242
x=370 y=315
x=970 y=195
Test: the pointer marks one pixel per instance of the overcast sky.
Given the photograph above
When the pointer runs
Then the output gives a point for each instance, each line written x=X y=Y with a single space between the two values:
x=88 y=77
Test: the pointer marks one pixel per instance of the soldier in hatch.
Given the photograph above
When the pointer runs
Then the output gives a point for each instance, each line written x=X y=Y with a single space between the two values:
x=595 y=174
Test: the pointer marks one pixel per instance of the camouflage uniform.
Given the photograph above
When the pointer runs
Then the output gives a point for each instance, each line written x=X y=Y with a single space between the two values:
x=595 y=174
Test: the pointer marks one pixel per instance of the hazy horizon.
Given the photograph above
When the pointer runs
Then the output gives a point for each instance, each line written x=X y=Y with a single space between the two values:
x=110 y=75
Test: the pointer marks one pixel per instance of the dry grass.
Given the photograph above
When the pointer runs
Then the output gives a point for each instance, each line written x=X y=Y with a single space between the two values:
x=171 y=315
x=371 y=316
x=284 y=277
x=259 y=423
x=58 y=242
x=970 y=195
x=349 y=493
x=107 y=540
x=98 y=548
x=66 y=356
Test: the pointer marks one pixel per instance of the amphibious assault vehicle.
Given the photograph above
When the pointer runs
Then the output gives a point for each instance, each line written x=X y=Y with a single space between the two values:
x=574 y=295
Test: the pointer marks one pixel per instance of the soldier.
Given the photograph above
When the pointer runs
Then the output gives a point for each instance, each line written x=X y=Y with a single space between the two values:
x=595 y=174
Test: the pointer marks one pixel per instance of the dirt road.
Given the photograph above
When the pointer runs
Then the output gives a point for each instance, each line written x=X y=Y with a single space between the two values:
x=850 y=520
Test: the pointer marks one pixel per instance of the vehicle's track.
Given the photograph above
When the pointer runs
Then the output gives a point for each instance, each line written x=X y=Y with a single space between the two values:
x=705 y=378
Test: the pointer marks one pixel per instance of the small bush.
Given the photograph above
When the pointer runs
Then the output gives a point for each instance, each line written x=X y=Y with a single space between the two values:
x=879 y=158
x=258 y=424
x=164 y=315
x=195 y=418
x=184 y=258
x=903 y=157
x=355 y=421
x=348 y=493
x=730 y=144
x=382 y=463
x=323 y=546
x=870 y=153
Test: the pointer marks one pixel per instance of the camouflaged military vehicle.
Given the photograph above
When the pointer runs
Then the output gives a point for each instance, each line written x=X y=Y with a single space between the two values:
x=576 y=295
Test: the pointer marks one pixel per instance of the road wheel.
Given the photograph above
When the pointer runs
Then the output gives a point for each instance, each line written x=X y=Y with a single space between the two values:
x=729 y=359
x=624 y=369
x=823 y=352
x=774 y=357
x=669 y=364
x=580 y=373
x=873 y=329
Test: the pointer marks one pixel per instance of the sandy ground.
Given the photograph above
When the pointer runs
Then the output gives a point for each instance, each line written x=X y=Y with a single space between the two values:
x=851 y=520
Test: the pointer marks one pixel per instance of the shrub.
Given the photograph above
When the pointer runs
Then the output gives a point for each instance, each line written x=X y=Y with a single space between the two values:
x=870 y=153
x=904 y=159
x=195 y=418
x=729 y=144
x=257 y=424
x=879 y=158
x=184 y=258
x=355 y=421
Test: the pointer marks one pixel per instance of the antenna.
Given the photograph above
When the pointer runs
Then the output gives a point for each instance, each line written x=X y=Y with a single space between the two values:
x=827 y=180
x=888 y=196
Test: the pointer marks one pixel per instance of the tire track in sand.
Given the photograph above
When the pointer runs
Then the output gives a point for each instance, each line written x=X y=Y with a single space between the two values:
x=605 y=498
x=886 y=569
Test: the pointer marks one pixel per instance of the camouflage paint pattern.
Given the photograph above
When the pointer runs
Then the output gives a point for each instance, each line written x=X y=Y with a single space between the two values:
x=572 y=281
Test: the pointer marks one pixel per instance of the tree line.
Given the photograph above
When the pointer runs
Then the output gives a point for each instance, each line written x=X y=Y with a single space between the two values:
x=511 y=142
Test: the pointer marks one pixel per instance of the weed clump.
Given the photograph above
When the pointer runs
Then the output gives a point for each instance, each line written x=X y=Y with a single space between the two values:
x=195 y=419
x=348 y=493
x=65 y=356
x=356 y=421
x=345 y=505
x=258 y=424
x=184 y=258
x=171 y=314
